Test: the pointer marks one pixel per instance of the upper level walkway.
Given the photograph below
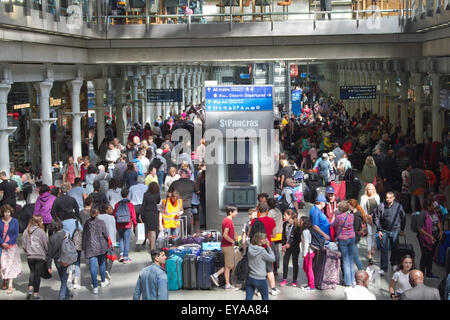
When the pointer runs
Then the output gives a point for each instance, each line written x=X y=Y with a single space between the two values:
x=90 y=19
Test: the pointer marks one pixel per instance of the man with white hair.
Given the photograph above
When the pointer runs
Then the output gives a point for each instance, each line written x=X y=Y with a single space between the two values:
x=360 y=291
x=161 y=166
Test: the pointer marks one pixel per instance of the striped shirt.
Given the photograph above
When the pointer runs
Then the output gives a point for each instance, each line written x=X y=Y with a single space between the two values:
x=344 y=232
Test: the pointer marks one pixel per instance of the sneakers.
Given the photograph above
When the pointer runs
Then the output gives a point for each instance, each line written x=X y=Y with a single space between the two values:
x=105 y=283
x=231 y=288
x=382 y=272
x=257 y=293
x=76 y=286
x=214 y=279
x=37 y=298
x=95 y=290
x=395 y=268
x=29 y=294
x=126 y=260
x=307 y=289
x=370 y=262
x=283 y=283
x=294 y=283
x=274 y=292
x=121 y=259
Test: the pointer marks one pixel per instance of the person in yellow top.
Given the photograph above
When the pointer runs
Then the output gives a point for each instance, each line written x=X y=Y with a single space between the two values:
x=151 y=177
x=169 y=216
x=284 y=122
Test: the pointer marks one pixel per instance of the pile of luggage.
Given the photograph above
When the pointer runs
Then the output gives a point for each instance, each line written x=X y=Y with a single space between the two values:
x=192 y=259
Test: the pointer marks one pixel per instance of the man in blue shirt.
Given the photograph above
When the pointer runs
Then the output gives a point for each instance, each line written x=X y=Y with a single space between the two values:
x=136 y=194
x=152 y=283
x=319 y=220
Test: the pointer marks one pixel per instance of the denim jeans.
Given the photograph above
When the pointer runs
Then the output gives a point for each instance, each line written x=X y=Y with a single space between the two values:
x=160 y=174
x=253 y=284
x=63 y=275
x=356 y=257
x=124 y=242
x=96 y=263
x=346 y=248
x=75 y=268
x=390 y=238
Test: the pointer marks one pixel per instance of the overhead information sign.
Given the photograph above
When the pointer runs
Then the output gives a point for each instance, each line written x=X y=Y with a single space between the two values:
x=296 y=102
x=239 y=98
x=164 y=95
x=358 y=92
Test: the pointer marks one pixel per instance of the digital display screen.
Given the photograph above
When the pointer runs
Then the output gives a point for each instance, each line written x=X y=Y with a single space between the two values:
x=241 y=197
x=239 y=168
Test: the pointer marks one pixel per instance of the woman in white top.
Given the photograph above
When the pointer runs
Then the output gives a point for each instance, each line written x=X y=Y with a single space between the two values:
x=369 y=201
x=400 y=279
x=305 y=225
x=171 y=177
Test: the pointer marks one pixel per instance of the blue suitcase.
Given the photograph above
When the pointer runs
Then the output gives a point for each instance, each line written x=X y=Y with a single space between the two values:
x=205 y=268
x=174 y=271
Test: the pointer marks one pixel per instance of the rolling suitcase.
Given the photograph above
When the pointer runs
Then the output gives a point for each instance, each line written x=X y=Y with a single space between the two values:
x=402 y=250
x=405 y=200
x=177 y=251
x=205 y=268
x=190 y=271
x=174 y=272
x=327 y=267
x=193 y=248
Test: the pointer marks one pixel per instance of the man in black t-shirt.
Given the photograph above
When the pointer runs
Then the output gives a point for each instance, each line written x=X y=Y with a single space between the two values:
x=8 y=189
x=185 y=188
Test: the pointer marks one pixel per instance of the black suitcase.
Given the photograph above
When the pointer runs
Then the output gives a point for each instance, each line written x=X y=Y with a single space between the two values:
x=190 y=271
x=405 y=200
x=402 y=250
x=312 y=194
x=352 y=188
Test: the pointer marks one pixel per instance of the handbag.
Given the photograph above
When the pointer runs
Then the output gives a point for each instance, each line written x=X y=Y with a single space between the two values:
x=45 y=274
x=111 y=253
x=363 y=232
x=77 y=236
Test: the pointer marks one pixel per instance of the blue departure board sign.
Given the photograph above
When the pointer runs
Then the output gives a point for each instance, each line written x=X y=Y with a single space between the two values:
x=296 y=102
x=358 y=92
x=239 y=98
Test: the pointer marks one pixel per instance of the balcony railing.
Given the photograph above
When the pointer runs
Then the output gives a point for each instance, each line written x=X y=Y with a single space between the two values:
x=89 y=13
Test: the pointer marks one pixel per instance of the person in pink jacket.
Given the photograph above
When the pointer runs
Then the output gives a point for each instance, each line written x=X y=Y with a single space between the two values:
x=124 y=228
x=43 y=206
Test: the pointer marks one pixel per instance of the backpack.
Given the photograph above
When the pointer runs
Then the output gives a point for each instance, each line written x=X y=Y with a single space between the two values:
x=69 y=254
x=257 y=227
x=123 y=212
x=414 y=217
x=242 y=270
x=317 y=241
x=156 y=163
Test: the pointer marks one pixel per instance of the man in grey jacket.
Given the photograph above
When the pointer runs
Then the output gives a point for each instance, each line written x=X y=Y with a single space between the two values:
x=259 y=253
x=390 y=221
x=419 y=291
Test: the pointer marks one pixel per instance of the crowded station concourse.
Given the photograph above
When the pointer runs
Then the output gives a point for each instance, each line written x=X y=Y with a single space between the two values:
x=219 y=150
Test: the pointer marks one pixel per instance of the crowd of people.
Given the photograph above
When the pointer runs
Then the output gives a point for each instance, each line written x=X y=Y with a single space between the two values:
x=397 y=176
x=98 y=199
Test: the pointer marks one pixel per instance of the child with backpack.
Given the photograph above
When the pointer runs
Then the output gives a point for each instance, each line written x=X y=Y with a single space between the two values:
x=290 y=246
x=125 y=218
x=305 y=224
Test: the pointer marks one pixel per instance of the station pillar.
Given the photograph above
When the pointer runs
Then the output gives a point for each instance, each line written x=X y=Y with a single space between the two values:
x=5 y=131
